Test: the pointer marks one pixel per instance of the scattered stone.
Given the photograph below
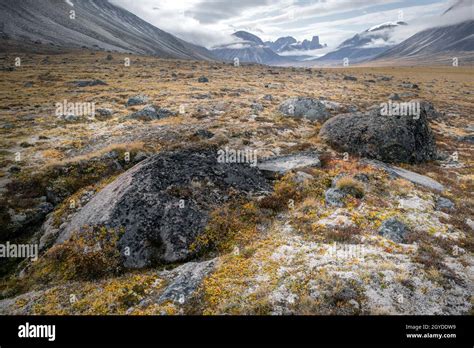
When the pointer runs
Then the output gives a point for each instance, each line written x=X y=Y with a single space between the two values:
x=89 y=83
x=203 y=79
x=394 y=96
x=273 y=85
x=268 y=97
x=407 y=95
x=150 y=112
x=202 y=96
x=444 y=204
x=28 y=84
x=301 y=177
x=69 y=117
x=257 y=107
x=187 y=279
x=335 y=197
x=204 y=134
x=470 y=223
x=137 y=100
x=103 y=113
x=409 y=85
x=386 y=138
x=407 y=175
x=415 y=203
x=394 y=229
x=467 y=138
x=303 y=107
x=14 y=169
x=350 y=78
x=279 y=166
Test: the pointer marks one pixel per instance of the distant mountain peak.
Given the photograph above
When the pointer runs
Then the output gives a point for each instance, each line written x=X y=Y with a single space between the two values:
x=246 y=36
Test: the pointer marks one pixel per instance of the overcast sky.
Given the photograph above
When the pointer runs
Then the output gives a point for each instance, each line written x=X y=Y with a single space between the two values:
x=211 y=22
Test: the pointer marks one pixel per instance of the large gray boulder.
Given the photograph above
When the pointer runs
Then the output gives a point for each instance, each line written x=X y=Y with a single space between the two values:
x=163 y=203
x=303 y=107
x=386 y=138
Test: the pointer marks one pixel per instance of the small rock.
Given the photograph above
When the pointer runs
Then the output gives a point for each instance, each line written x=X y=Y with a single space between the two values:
x=69 y=117
x=14 y=169
x=268 y=97
x=444 y=203
x=278 y=166
x=89 y=83
x=257 y=107
x=203 y=79
x=204 y=134
x=137 y=100
x=104 y=113
x=335 y=197
x=470 y=223
x=407 y=175
x=394 y=229
x=151 y=112
x=409 y=85
x=301 y=177
x=303 y=107
x=394 y=96
x=350 y=78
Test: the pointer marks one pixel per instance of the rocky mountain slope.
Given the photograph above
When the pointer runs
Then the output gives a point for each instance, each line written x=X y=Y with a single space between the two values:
x=363 y=46
x=96 y=24
x=446 y=42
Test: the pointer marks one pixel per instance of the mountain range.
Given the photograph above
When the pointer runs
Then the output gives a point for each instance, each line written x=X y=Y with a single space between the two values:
x=101 y=25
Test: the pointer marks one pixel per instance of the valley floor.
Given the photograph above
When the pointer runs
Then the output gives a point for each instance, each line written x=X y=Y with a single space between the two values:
x=269 y=257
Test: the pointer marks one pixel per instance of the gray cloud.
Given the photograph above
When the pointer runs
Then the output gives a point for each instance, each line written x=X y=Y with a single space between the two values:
x=213 y=11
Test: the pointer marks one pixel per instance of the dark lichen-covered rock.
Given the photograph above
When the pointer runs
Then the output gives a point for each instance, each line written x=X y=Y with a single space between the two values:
x=386 y=138
x=394 y=229
x=162 y=204
x=150 y=112
x=137 y=100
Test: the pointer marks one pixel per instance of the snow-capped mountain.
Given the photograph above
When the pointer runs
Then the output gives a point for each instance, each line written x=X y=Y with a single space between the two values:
x=248 y=48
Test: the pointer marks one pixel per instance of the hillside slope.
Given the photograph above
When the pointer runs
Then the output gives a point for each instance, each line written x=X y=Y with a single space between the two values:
x=98 y=24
